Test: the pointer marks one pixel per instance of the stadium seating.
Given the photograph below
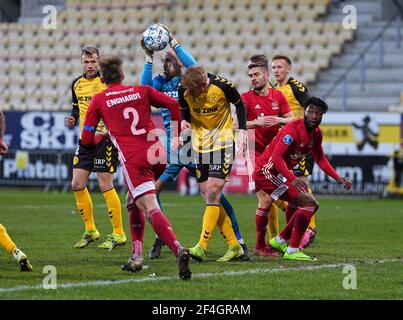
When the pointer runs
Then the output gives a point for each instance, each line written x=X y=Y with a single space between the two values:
x=40 y=64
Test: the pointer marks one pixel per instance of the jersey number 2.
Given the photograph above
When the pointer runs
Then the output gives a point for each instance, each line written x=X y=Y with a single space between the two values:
x=126 y=114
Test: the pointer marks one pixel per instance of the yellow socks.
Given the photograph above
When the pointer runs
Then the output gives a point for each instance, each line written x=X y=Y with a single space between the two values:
x=210 y=219
x=114 y=210
x=225 y=226
x=5 y=240
x=272 y=225
x=312 y=224
x=84 y=205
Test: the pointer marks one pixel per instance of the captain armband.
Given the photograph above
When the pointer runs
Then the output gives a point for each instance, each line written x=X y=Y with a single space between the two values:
x=89 y=128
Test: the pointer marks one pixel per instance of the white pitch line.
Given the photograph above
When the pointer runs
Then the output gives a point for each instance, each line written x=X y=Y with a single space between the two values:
x=152 y=278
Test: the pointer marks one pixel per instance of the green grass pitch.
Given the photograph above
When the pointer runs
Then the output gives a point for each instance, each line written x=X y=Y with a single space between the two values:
x=364 y=233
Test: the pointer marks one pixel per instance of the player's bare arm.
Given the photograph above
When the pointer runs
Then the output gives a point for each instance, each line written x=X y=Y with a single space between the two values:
x=242 y=140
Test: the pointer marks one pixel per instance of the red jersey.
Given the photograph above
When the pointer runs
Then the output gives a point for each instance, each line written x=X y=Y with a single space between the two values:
x=292 y=143
x=126 y=112
x=274 y=104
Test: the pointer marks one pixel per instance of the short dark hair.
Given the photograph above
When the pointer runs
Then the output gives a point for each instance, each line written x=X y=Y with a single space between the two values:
x=258 y=60
x=280 y=56
x=89 y=51
x=316 y=102
x=111 y=69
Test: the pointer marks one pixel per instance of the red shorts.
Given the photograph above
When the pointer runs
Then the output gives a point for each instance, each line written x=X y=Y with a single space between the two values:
x=140 y=172
x=284 y=191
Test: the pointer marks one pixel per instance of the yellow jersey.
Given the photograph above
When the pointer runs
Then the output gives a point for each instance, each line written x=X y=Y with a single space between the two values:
x=210 y=114
x=296 y=93
x=83 y=90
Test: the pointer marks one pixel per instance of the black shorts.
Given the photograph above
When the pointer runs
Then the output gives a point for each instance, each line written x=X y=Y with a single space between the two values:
x=215 y=164
x=304 y=167
x=101 y=158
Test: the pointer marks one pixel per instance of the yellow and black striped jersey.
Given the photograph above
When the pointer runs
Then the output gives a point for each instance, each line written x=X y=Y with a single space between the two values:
x=83 y=90
x=210 y=114
x=296 y=93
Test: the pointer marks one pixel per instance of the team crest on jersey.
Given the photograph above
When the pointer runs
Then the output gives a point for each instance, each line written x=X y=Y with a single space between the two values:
x=213 y=98
x=274 y=105
x=287 y=139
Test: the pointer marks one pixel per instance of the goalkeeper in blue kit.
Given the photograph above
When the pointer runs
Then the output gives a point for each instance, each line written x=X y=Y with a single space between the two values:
x=174 y=60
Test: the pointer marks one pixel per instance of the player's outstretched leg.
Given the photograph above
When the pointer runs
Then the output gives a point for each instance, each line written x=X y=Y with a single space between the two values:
x=155 y=250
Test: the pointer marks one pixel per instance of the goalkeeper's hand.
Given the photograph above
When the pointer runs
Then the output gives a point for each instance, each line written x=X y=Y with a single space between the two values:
x=147 y=51
x=167 y=29
x=172 y=41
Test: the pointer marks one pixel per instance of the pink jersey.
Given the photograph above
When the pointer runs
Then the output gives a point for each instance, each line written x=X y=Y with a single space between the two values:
x=274 y=104
x=292 y=143
x=126 y=112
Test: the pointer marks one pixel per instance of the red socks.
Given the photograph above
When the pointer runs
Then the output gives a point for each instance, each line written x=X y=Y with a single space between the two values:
x=163 y=229
x=261 y=220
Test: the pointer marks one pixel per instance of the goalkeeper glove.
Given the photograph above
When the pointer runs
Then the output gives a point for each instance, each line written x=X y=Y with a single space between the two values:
x=172 y=41
x=149 y=53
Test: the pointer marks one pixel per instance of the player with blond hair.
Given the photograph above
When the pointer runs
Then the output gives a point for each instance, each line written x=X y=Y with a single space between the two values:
x=102 y=159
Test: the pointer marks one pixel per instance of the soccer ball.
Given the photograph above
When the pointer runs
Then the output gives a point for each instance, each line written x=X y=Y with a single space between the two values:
x=155 y=38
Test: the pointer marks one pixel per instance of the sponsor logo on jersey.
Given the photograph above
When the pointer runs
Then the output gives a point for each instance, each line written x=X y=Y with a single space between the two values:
x=172 y=94
x=258 y=107
x=206 y=110
x=84 y=98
